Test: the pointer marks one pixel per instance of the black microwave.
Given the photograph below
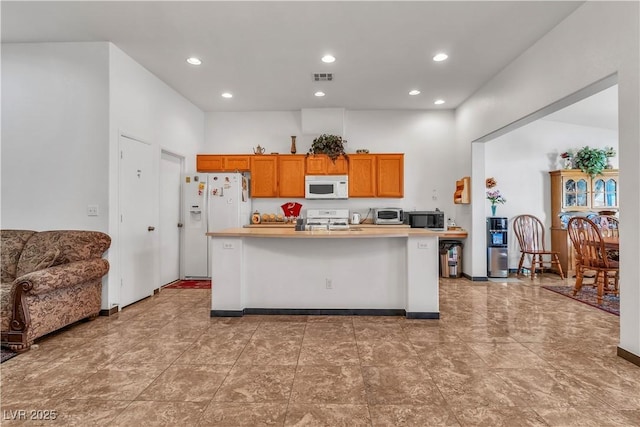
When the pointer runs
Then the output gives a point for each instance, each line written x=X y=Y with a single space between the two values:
x=431 y=220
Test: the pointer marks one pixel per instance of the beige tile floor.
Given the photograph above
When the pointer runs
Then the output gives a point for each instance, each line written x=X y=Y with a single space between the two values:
x=502 y=354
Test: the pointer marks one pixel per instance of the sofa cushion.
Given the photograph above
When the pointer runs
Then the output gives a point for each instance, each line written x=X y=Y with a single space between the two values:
x=74 y=245
x=12 y=243
x=48 y=259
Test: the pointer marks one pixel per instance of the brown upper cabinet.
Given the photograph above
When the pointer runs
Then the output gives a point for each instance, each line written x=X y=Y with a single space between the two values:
x=264 y=176
x=223 y=163
x=390 y=175
x=282 y=175
x=321 y=164
x=291 y=175
x=362 y=175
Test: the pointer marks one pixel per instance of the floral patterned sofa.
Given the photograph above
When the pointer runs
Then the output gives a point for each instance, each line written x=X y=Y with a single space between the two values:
x=50 y=279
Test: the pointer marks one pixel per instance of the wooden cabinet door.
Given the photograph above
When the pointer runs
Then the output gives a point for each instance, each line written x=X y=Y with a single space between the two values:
x=233 y=163
x=209 y=163
x=321 y=164
x=362 y=180
x=604 y=190
x=315 y=165
x=339 y=167
x=390 y=175
x=575 y=190
x=264 y=176
x=291 y=176
x=222 y=163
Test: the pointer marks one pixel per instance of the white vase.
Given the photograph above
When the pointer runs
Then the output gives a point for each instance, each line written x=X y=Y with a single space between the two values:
x=568 y=163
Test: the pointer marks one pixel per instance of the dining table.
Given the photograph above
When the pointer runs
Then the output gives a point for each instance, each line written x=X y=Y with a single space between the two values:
x=611 y=242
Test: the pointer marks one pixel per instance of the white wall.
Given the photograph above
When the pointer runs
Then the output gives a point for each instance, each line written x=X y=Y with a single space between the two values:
x=424 y=136
x=54 y=135
x=598 y=40
x=144 y=107
x=63 y=108
x=520 y=162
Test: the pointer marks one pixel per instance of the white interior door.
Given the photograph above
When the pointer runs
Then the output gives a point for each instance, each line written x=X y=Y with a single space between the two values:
x=170 y=217
x=138 y=215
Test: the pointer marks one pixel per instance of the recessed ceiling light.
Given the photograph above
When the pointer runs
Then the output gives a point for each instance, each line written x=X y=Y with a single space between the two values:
x=438 y=101
x=440 y=57
x=227 y=95
x=414 y=92
x=194 y=61
x=319 y=93
x=328 y=59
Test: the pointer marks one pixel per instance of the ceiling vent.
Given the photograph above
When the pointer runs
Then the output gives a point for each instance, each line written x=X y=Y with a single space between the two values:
x=322 y=77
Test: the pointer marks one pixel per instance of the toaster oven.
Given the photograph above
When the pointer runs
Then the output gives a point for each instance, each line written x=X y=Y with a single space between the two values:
x=387 y=216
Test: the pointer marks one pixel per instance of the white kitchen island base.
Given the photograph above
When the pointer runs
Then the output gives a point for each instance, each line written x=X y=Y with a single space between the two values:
x=390 y=272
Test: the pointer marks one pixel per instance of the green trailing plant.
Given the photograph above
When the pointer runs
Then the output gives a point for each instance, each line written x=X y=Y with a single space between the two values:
x=591 y=160
x=331 y=145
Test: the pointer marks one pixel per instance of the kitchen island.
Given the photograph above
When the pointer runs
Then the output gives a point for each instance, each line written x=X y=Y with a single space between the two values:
x=363 y=270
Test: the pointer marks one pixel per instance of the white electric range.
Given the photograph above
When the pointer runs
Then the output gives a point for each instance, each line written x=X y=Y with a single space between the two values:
x=330 y=219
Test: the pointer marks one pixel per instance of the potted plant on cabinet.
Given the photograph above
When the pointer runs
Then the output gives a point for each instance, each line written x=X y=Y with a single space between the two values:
x=331 y=145
x=591 y=160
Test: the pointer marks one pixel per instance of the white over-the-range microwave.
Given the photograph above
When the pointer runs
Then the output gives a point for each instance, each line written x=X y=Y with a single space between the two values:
x=326 y=187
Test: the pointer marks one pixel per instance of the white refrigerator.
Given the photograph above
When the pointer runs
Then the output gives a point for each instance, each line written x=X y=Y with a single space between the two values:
x=212 y=202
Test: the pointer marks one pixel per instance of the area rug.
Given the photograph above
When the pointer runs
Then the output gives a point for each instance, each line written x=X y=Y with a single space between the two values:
x=190 y=284
x=7 y=354
x=589 y=295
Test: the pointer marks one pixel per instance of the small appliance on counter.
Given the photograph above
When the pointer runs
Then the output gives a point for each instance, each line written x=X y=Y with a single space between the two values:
x=431 y=220
x=387 y=216
x=355 y=218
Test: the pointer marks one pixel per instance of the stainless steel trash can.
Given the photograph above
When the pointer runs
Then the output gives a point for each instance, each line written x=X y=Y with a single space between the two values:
x=450 y=258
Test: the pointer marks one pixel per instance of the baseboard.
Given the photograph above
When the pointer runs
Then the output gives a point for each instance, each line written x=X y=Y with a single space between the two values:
x=628 y=356
x=422 y=315
x=325 y=312
x=110 y=312
x=227 y=313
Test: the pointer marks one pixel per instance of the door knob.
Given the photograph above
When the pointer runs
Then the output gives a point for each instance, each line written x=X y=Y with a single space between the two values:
x=150 y=228
x=180 y=225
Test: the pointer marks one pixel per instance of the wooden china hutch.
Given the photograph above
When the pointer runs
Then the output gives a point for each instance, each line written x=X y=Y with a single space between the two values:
x=575 y=192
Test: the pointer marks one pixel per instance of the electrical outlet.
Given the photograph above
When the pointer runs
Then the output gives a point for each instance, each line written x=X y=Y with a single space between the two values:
x=328 y=284
x=423 y=245
x=227 y=245
x=92 y=210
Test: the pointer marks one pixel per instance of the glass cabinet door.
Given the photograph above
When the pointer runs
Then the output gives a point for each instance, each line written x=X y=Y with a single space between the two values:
x=605 y=193
x=575 y=193
x=598 y=193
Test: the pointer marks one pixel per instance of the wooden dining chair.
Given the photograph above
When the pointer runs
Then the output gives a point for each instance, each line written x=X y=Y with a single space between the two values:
x=529 y=231
x=609 y=227
x=591 y=257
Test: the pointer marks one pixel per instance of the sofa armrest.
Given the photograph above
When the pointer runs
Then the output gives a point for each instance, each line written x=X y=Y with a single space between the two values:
x=62 y=276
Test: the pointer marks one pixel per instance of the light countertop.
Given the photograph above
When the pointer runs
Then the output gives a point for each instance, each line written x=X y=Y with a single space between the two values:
x=356 y=232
